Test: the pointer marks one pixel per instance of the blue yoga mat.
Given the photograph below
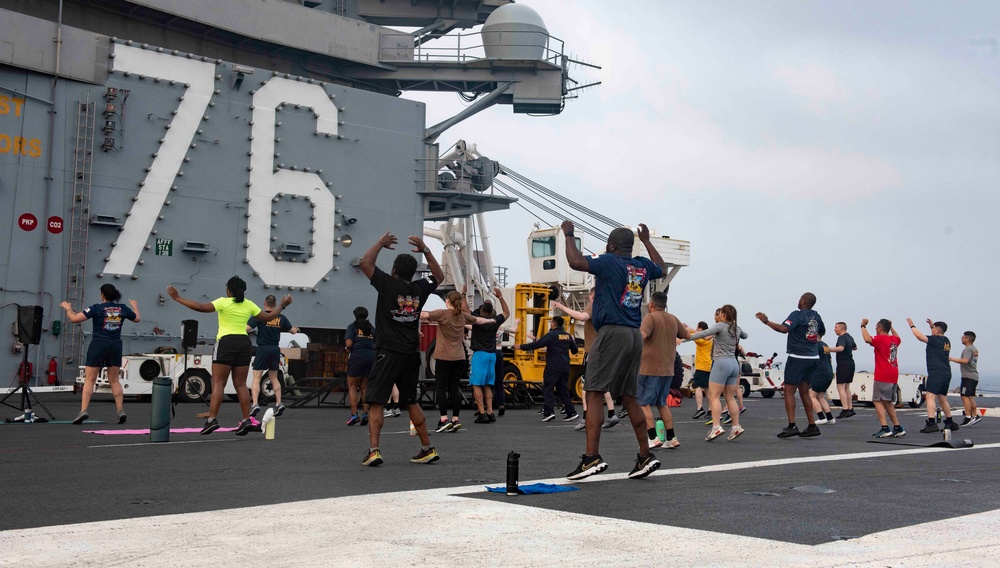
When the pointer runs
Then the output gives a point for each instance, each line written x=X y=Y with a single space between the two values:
x=536 y=488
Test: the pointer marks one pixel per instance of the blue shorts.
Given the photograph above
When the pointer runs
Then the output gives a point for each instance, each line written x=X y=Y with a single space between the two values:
x=800 y=370
x=104 y=353
x=268 y=358
x=483 y=371
x=725 y=372
x=653 y=390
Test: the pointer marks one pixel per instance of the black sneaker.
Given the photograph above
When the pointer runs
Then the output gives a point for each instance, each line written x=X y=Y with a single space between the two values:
x=898 y=432
x=210 y=426
x=254 y=410
x=245 y=427
x=699 y=414
x=372 y=459
x=364 y=419
x=589 y=465
x=501 y=410
x=966 y=421
x=491 y=417
x=482 y=419
x=443 y=426
x=810 y=431
x=571 y=417
x=81 y=417
x=279 y=410
x=122 y=417
x=850 y=412
x=952 y=426
x=789 y=431
x=429 y=455
x=549 y=418
x=644 y=465
x=930 y=428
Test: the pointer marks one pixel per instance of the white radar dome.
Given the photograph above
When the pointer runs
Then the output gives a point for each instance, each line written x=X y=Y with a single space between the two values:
x=515 y=31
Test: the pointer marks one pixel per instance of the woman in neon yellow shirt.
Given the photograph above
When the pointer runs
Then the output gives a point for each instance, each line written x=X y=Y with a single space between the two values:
x=233 y=349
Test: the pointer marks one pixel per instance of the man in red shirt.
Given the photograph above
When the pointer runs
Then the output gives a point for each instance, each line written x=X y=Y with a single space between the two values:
x=886 y=375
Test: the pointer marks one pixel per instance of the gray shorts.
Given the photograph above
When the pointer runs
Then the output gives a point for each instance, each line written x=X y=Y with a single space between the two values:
x=613 y=363
x=883 y=391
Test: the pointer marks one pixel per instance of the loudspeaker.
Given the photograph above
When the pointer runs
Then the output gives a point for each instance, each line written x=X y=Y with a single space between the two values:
x=29 y=324
x=189 y=333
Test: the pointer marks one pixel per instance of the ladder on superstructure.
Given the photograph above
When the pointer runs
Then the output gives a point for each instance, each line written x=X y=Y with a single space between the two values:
x=83 y=158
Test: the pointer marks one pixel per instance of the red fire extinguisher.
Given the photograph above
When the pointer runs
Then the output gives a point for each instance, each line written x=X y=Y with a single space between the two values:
x=53 y=366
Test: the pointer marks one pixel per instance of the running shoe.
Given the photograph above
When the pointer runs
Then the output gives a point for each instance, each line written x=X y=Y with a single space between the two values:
x=396 y=412
x=976 y=420
x=571 y=417
x=715 y=433
x=482 y=419
x=930 y=428
x=898 y=432
x=254 y=410
x=121 y=417
x=655 y=443
x=364 y=419
x=885 y=432
x=501 y=410
x=788 y=432
x=821 y=420
x=581 y=425
x=589 y=465
x=255 y=425
x=846 y=413
x=622 y=413
x=611 y=422
x=850 y=413
x=699 y=414
x=386 y=413
x=81 y=417
x=548 y=418
x=373 y=458
x=951 y=425
x=709 y=422
x=966 y=421
x=492 y=417
x=443 y=426
x=810 y=431
x=279 y=409
x=351 y=422
x=727 y=419
x=209 y=427
x=244 y=427
x=455 y=426
x=735 y=433
x=672 y=443
x=426 y=456
x=743 y=409
x=644 y=465
x=830 y=421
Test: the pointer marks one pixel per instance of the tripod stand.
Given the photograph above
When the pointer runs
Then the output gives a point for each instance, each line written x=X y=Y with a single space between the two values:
x=26 y=395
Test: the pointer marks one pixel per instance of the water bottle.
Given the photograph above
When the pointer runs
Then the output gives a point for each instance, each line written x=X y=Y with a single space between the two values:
x=512 y=466
x=29 y=416
x=938 y=414
x=947 y=434
x=661 y=431
x=413 y=429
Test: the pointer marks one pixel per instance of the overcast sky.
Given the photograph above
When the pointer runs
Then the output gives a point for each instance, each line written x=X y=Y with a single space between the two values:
x=851 y=149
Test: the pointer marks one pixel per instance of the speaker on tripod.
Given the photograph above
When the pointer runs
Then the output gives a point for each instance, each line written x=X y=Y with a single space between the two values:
x=189 y=334
x=29 y=332
x=29 y=325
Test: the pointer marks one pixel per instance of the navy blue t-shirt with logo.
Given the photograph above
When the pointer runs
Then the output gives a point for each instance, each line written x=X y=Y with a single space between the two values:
x=361 y=343
x=108 y=318
x=269 y=332
x=618 y=287
x=938 y=349
x=804 y=329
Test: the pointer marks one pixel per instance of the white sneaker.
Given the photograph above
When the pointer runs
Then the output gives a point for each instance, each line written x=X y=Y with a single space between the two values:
x=715 y=433
x=386 y=413
x=655 y=443
x=396 y=412
x=672 y=443
x=821 y=421
x=831 y=421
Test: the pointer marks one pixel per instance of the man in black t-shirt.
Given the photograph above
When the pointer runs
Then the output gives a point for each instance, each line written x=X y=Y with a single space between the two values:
x=844 y=349
x=397 y=318
x=558 y=344
x=938 y=373
x=482 y=375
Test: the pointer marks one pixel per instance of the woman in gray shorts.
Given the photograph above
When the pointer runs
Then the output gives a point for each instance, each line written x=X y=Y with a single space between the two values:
x=725 y=376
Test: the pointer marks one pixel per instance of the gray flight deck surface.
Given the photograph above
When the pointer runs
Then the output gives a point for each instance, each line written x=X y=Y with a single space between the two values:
x=315 y=456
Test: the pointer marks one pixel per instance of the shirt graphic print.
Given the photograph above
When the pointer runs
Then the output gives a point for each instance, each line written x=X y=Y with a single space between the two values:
x=632 y=295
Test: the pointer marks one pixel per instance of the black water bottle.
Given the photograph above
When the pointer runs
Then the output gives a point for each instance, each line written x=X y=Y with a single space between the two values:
x=512 y=463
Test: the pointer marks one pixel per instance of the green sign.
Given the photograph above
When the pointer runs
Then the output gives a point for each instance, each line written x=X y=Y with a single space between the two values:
x=164 y=247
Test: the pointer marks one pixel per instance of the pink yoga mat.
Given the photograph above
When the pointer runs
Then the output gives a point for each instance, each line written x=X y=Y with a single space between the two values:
x=146 y=431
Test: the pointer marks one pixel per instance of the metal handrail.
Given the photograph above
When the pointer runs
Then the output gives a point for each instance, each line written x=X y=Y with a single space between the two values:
x=467 y=47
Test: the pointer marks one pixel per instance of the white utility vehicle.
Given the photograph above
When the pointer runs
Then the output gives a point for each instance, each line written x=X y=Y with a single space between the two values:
x=909 y=389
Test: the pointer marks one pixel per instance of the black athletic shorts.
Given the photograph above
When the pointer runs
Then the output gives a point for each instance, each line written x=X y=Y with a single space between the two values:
x=968 y=387
x=233 y=350
x=700 y=379
x=359 y=364
x=268 y=358
x=937 y=384
x=800 y=370
x=104 y=353
x=392 y=368
x=845 y=372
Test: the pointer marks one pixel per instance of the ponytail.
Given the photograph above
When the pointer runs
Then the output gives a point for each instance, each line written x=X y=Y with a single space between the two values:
x=361 y=320
x=237 y=288
x=729 y=313
x=455 y=299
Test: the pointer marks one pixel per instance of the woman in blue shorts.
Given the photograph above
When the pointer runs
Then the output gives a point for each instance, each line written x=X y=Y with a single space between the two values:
x=360 y=343
x=725 y=376
x=105 y=346
x=233 y=349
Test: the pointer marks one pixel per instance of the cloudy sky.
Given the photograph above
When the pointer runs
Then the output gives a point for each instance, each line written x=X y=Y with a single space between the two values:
x=851 y=149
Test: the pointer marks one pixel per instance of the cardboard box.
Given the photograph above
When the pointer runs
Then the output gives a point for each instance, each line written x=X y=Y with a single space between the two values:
x=296 y=353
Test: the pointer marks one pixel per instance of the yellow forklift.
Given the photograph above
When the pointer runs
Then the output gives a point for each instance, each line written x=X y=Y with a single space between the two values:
x=522 y=370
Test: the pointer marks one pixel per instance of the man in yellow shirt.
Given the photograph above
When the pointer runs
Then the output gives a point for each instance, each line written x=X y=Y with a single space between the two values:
x=702 y=369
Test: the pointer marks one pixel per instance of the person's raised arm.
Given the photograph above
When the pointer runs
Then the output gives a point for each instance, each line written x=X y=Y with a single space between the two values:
x=864 y=331
x=74 y=317
x=203 y=307
x=895 y=333
x=916 y=332
x=503 y=303
x=367 y=263
x=268 y=315
x=135 y=308
x=654 y=254
x=574 y=257
x=432 y=263
x=779 y=327
x=578 y=316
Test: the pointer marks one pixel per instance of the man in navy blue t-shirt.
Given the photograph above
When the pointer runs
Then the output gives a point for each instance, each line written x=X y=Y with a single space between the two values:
x=613 y=363
x=938 y=373
x=268 y=356
x=804 y=328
